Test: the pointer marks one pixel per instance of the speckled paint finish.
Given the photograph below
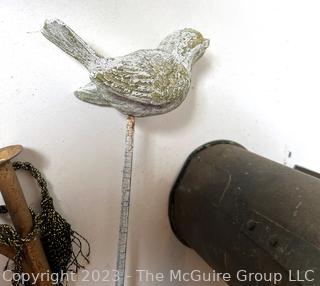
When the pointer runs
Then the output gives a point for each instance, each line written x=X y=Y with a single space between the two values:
x=143 y=83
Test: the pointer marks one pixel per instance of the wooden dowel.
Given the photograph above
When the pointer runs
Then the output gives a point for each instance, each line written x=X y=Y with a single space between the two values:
x=34 y=258
x=7 y=251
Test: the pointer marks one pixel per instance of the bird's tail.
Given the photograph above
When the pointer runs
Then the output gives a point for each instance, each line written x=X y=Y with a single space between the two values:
x=66 y=39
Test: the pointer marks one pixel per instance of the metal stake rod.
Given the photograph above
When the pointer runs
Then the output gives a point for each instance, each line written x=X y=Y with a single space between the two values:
x=125 y=202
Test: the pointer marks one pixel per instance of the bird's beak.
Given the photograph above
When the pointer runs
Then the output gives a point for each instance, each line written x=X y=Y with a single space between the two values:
x=206 y=43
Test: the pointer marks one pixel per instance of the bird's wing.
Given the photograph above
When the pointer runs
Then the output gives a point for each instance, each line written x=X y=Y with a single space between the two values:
x=147 y=76
x=90 y=93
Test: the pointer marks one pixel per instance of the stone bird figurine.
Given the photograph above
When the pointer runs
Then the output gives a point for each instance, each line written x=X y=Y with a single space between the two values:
x=143 y=83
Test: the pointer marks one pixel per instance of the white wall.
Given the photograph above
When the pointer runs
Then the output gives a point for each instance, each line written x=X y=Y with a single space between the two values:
x=258 y=84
